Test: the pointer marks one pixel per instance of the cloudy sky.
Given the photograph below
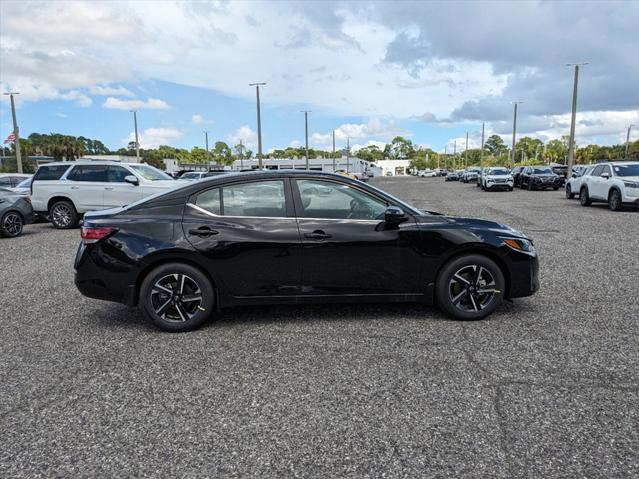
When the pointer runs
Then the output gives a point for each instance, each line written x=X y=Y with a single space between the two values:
x=430 y=71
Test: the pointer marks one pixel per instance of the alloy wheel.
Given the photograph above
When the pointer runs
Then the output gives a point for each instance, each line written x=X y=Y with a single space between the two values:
x=176 y=297
x=472 y=288
x=12 y=224
x=61 y=215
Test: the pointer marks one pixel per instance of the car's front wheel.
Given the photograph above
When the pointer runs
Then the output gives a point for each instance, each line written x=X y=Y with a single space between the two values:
x=584 y=197
x=470 y=287
x=569 y=194
x=177 y=297
x=11 y=224
x=614 y=200
x=63 y=215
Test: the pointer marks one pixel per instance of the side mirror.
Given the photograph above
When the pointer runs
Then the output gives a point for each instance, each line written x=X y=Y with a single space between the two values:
x=132 y=179
x=605 y=175
x=394 y=215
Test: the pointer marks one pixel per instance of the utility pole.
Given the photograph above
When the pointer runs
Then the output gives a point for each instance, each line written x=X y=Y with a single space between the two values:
x=333 y=151
x=571 y=141
x=206 y=142
x=306 y=112
x=259 y=124
x=348 y=152
x=627 y=139
x=16 y=131
x=137 y=143
x=515 y=127
x=466 y=152
x=241 y=156
x=454 y=153
x=481 y=154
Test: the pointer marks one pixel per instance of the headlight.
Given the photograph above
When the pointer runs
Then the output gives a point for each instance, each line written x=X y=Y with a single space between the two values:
x=631 y=184
x=519 y=244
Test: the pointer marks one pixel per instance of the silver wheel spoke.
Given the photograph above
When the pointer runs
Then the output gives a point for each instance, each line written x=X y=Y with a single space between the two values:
x=472 y=300
x=190 y=297
x=162 y=309
x=183 y=277
x=459 y=296
x=459 y=278
x=179 y=310
x=162 y=288
x=477 y=276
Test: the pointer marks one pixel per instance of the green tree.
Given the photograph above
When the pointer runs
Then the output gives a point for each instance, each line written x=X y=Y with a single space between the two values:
x=369 y=153
x=530 y=147
x=495 y=145
x=400 y=148
x=222 y=153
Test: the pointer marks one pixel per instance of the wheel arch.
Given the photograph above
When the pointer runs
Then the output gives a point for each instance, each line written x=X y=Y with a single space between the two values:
x=54 y=199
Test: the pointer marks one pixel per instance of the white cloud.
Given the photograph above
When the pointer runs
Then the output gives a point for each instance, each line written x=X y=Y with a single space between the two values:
x=61 y=115
x=154 y=137
x=244 y=133
x=111 y=91
x=150 y=104
x=200 y=120
x=80 y=98
x=374 y=129
x=359 y=146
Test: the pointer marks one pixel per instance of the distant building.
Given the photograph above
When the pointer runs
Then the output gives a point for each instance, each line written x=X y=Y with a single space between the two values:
x=121 y=158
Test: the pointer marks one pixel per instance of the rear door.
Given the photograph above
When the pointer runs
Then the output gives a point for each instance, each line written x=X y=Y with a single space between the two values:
x=87 y=184
x=346 y=249
x=248 y=231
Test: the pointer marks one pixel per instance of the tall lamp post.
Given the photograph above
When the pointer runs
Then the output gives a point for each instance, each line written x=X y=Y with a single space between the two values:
x=628 y=139
x=466 y=152
x=259 y=123
x=306 y=112
x=206 y=143
x=348 y=152
x=571 y=141
x=481 y=153
x=514 y=127
x=137 y=143
x=16 y=131
x=333 y=151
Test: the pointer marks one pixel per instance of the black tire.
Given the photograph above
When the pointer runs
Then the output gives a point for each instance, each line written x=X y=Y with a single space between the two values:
x=63 y=215
x=458 y=300
x=569 y=194
x=614 y=200
x=168 y=297
x=584 y=197
x=510 y=189
x=530 y=186
x=11 y=224
x=555 y=188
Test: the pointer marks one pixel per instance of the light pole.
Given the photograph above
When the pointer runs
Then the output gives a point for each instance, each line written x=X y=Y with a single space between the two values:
x=16 y=131
x=466 y=152
x=515 y=126
x=137 y=143
x=259 y=123
x=481 y=153
x=206 y=143
x=348 y=152
x=628 y=139
x=306 y=112
x=571 y=141
x=333 y=151
x=241 y=156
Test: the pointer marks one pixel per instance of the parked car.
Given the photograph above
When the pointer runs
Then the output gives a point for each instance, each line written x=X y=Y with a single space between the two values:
x=516 y=174
x=573 y=185
x=562 y=172
x=427 y=174
x=11 y=180
x=193 y=175
x=614 y=182
x=470 y=174
x=216 y=243
x=538 y=178
x=65 y=191
x=15 y=212
x=497 y=179
x=452 y=176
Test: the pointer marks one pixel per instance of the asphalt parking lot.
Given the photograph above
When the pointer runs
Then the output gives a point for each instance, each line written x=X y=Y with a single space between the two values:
x=546 y=387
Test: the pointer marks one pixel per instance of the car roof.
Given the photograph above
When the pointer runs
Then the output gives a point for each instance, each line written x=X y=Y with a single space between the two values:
x=91 y=162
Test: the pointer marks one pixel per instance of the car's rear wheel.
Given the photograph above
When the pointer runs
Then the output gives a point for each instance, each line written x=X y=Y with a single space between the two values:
x=177 y=297
x=614 y=200
x=470 y=287
x=569 y=194
x=584 y=197
x=11 y=224
x=63 y=215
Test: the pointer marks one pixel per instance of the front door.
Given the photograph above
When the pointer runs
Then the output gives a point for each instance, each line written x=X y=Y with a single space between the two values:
x=118 y=192
x=249 y=233
x=346 y=248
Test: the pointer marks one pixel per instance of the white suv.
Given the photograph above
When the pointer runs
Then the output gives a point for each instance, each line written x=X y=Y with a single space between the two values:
x=615 y=182
x=64 y=191
x=496 y=179
x=573 y=185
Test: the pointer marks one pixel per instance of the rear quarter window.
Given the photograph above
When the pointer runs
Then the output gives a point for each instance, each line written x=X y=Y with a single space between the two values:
x=52 y=172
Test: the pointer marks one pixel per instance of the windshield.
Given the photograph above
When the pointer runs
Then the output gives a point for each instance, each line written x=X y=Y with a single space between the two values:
x=190 y=176
x=542 y=171
x=150 y=173
x=627 y=170
x=498 y=172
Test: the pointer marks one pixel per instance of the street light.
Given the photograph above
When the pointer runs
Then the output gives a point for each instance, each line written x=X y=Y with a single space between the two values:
x=481 y=154
x=306 y=112
x=515 y=126
x=206 y=142
x=628 y=139
x=333 y=151
x=571 y=142
x=259 y=123
x=16 y=131
x=137 y=143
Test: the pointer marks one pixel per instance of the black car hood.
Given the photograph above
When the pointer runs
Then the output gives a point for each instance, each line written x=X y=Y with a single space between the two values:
x=483 y=225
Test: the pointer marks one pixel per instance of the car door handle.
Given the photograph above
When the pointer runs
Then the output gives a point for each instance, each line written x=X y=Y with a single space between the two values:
x=108 y=187
x=203 y=231
x=75 y=187
x=317 y=235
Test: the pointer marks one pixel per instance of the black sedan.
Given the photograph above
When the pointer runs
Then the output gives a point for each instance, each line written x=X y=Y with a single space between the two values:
x=15 y=212
x=539 y=178
x=295 y=237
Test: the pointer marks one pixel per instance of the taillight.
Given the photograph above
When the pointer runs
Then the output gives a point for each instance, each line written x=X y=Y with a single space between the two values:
x=93 y=235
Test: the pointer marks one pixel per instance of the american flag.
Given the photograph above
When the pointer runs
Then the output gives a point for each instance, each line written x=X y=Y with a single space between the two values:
x=10 y=138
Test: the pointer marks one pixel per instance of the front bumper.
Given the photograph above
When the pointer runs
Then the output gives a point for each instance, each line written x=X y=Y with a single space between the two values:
x=524 y=276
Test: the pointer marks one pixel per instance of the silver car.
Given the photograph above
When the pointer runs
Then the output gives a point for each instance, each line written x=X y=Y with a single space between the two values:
x=15 y=212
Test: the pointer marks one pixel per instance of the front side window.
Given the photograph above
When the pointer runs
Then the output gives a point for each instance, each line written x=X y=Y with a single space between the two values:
x=116 y=174
x=93 y=173
x=597 y=171
x=257 y=198
x=606 y=169
x=330 y=200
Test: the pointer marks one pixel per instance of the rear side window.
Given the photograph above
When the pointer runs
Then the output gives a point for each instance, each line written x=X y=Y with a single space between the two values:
x=257 y=198
x=210 y=201
x=88 y=173
x=50 y=172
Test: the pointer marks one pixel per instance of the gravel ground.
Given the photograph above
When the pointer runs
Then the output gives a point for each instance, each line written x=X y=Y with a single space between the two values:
x=546 y=387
